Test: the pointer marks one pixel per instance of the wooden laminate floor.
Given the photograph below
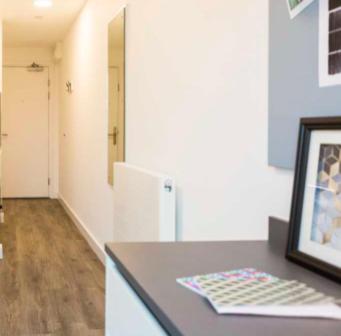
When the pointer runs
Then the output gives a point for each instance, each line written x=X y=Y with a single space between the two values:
x=51 y=283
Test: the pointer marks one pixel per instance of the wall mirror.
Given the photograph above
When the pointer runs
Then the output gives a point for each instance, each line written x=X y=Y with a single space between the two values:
x=116 y=87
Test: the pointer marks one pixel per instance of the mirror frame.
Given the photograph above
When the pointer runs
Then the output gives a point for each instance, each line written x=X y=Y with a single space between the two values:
x=122 y=11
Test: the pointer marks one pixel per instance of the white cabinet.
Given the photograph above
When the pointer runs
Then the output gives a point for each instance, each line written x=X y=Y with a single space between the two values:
x=125 y=313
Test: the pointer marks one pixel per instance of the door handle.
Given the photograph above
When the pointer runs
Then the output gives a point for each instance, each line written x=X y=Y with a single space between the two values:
x=115 y=136
x=4 y=134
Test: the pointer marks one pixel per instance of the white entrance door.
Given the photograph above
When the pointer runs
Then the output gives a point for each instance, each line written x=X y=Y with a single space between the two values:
x=24 y=133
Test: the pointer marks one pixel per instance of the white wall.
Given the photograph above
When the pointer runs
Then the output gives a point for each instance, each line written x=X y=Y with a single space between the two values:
x=197 y=74
x=24 y=56
x=43 y=56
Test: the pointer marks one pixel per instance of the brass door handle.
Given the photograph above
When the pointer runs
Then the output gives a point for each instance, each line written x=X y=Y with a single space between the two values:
x=4 y=134
x=114 y=135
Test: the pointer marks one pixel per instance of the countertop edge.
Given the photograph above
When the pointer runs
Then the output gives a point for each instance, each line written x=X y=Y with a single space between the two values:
x=154 y=309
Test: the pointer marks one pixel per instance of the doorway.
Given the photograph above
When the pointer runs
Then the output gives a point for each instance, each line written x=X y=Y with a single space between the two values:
x=25 y=132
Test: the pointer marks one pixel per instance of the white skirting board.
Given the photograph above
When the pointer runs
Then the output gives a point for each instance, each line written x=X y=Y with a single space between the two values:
x=95 y=246
x=144 y=205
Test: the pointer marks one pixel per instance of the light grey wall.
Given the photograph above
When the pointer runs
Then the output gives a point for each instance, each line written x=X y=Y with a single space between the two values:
x=294 y=87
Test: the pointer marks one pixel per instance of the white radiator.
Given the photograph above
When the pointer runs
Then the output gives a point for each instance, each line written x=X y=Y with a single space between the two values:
x=144 y=205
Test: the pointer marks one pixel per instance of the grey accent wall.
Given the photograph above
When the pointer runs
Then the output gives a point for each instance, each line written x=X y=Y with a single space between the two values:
x=293 y=86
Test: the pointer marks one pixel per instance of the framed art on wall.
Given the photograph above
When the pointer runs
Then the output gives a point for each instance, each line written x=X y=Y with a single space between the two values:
x=315 y=219
x=297 y=6
x=330 y=43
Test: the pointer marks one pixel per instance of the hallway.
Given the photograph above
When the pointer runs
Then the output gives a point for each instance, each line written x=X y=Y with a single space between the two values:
x=51 y=282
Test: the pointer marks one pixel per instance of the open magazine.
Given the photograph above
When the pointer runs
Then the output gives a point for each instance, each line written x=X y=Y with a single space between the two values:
x=252 y=292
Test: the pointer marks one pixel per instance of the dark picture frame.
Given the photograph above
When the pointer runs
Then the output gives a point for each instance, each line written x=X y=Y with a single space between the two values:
x=307 y=126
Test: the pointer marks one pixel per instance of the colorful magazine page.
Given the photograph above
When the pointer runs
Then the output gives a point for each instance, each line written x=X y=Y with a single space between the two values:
x=239 y=274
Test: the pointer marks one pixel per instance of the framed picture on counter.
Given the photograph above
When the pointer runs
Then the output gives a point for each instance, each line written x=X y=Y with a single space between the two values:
x=315 y=220
x=297 y=6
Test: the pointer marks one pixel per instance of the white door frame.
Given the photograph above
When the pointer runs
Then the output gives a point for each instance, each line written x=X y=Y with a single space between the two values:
x=50 y=192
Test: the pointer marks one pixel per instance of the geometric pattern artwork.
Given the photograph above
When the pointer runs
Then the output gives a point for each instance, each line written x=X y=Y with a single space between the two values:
x=294 y=3
x=326 y=226
x=226 y=293
x=297 y=6
x=240 y=274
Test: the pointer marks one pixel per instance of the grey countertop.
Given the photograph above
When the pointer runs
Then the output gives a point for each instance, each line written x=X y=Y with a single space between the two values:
x=152 y=269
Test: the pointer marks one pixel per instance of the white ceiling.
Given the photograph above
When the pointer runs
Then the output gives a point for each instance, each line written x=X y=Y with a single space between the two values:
x=26 y=25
